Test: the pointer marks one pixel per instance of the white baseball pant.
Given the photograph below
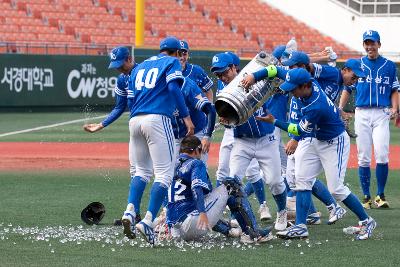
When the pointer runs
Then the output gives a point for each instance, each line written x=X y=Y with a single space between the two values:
x=152 y=140
x=330 y=156
x=372 y=128
x=215 y=203
x=253 y=172
x=265 y=151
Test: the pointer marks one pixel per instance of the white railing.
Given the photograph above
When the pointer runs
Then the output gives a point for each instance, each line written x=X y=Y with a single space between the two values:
x=371 y=8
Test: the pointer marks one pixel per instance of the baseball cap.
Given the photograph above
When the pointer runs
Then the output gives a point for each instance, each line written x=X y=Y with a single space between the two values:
x=294 y=78
x=278 y=51
x=235 y=58
x=221 y=62
x=296 y=57
x=355 y=66
x=184 y=45
x=118 y=56
x=371 y=35
x=170 y=43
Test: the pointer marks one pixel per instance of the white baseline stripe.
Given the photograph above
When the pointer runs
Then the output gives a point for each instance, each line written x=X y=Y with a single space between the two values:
x=51 y=126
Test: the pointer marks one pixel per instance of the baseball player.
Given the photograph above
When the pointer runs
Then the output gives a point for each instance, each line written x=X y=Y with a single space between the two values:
x=120 y=59
x=156 y=85
x=224 y=68
x=202 y=113
x=123 y=62
x=301 y=60
x=195 y=72
x=251 y=141
x=194 y=207
x=328 y=150
x=376 y=103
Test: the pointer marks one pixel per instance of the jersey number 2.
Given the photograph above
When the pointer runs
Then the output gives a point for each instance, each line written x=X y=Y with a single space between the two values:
x=150 y=80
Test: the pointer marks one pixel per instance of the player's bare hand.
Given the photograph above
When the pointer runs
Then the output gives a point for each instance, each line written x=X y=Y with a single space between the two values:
x=202 y=223
x=205 y=144
x=345 y=115
x=269 y=118
x=291 y=146
x=393 y=114
x=93 y=127
x=248 y=81
x=189 y=125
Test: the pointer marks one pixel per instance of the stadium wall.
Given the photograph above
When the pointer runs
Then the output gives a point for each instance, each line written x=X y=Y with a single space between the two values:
x=47 y=81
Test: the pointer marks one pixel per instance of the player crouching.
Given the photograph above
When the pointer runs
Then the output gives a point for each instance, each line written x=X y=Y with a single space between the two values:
x=194 y=207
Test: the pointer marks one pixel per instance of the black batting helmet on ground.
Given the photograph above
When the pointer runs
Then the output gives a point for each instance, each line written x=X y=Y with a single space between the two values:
x=93 y=213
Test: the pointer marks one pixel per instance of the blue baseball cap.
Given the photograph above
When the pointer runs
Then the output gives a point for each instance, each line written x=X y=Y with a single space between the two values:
x=371 y=35
x=235 y=58
x=118 y=56
x=296 y=57
x=170 y=43
x=355 y=66
x=221 y=62
x=278 y=51
x=294 y=78
x=184 y=45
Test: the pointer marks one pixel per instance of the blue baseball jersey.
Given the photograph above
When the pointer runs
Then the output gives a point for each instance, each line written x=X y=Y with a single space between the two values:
x=375 y=90
x=148 y=83
x=330 y=79
x=319 y=114
x=295 y=115
x=190 y=173
x=277 y=105
x=121 y=91
x=198 y=75
x=195 y=101
x=253 y=128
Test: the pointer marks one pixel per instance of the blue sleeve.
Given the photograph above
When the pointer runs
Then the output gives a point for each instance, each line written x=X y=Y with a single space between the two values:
x=199 y=184
x=175 y=90
x=198 y=196
x=204 y=82
x=263 y=73
x=285 y=126
x=325 y=72
x=395 y=83
x=120 y=105
x=209 y=110
x=174 y=71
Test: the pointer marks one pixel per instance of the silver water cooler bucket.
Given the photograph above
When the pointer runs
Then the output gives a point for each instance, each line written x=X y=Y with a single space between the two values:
x=235 y=103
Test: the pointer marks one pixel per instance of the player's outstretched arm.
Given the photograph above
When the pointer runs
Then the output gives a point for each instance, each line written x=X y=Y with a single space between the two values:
x=93 y=127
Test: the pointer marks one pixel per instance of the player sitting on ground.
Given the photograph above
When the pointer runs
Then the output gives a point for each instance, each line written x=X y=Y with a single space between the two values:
x=194 y=207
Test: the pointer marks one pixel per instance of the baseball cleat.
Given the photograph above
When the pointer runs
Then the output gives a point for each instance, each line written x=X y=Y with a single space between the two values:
x=281 y=220
x=336 y=214
x=234 y=223
x=367 y=202
x=380 y=202
x=235 y=232
x=366 y=228
x=294 y=232
x=264 y=212
x=147 y=232
x=265 y=235
x=128 y=222
x=314 y=218
x=352 y=230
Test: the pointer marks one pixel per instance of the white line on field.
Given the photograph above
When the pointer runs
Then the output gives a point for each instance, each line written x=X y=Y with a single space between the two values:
x=50 y=126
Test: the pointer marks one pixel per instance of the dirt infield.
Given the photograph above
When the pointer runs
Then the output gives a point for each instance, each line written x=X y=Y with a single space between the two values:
x=44 y=156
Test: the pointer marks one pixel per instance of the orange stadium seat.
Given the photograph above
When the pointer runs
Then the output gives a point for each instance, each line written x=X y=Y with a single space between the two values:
x=240 y=25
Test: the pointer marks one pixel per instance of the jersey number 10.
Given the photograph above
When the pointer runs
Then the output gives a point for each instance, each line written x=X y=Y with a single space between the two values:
x=149 y=81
